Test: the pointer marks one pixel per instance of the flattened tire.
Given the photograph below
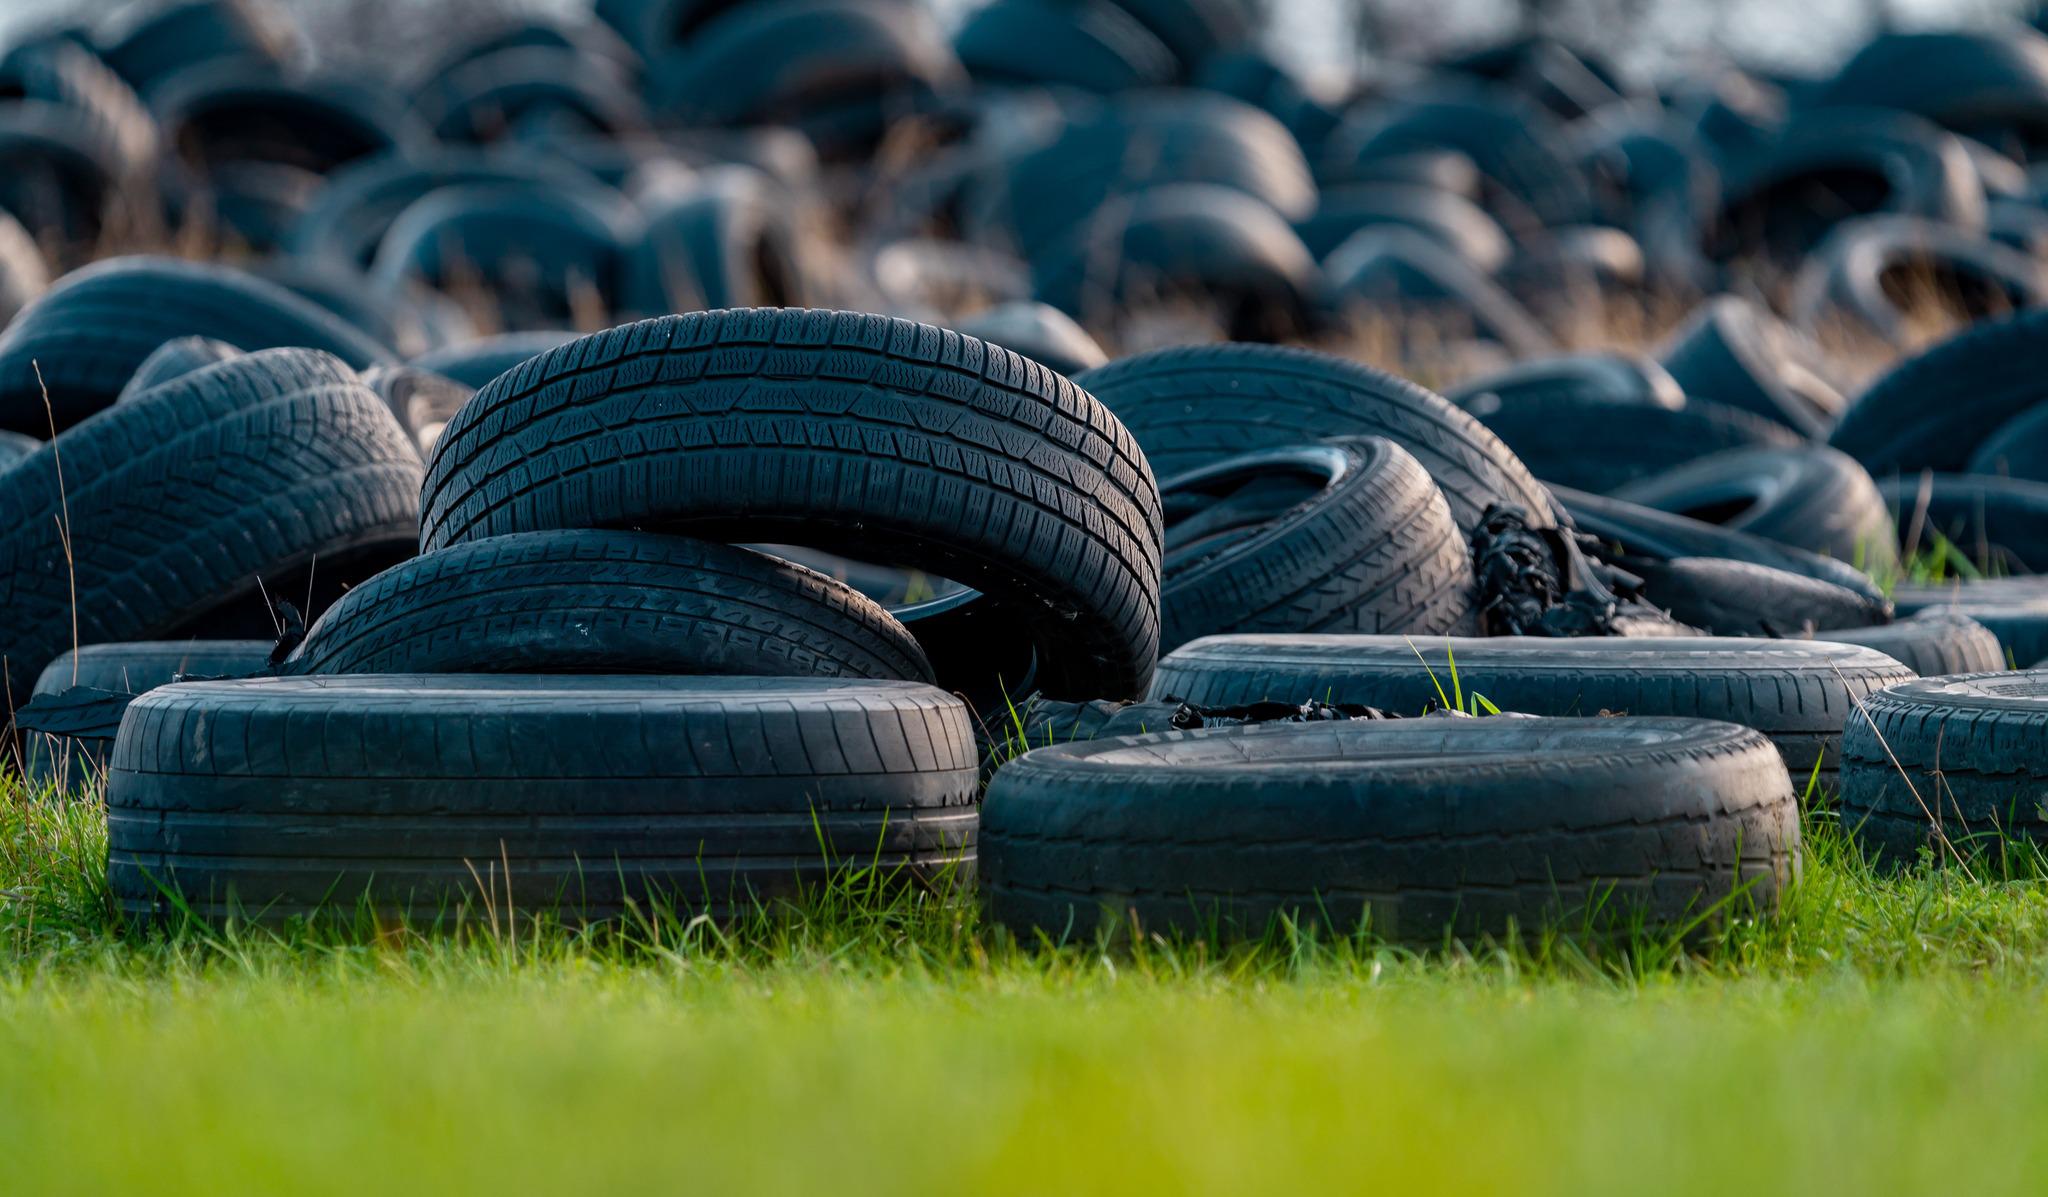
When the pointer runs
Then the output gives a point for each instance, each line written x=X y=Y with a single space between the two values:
x=1813 y=498
x=876 y=438
x=591 y=601
x=1797 y=692
x=1948 y=759
x=1190 y=407
x=1415 y=831
x=583 y=795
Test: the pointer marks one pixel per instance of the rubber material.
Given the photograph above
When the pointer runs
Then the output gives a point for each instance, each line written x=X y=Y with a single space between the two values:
x=1731 y=351
x=1931 y=411
x=1601 y=446
x=578 y=795
x=1999 y=524
x=876 y=438
x=1813 y=498
x=1932 y=644
x=1742 y=598
x=1415 y=831
x=474 y=363
x=175 y=359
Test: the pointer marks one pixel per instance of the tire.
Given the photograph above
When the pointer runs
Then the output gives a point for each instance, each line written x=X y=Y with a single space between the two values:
x=593 y=796
x=261 y=475
x=1742 y=598
x=607 y=602
x=1931 y=411
x=175 y=359
x=730 y=240
x=1414 y=831
x=1595 y=445
x=592 y=41
x=2014 y=609
x=1210 y=246
x=1931 y=645
x=539 y=257
x=169 y=39
x=423 y=402
x=1574 y=265
x=1880 y=275
x=839 y=70
x=1962 y=754
x=1389 y=267
x=1346 y=536
x=474 y=363
x=1460 y=225
x=60 y=175
x=1602 y=377
x=1196 y=30
x=65 y=73
x=1631 y=532
x=349 y=219
x=503 y=94
x=2017 y=448
x=1999 y=524
x=1813 y=498
x=1797 y=692
x=92 y=330
x=23 y=273
x=91 y=689
x=885 y=440
x=1832 y=164
x=1732 y=352
x=14 y=447
x=1040 y=332
x=1190 y=407
x=1093 y=45
x=1991 y=86
x=231 y=111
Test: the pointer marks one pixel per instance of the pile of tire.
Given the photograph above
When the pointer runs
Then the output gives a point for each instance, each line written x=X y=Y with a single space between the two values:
x=675 y=455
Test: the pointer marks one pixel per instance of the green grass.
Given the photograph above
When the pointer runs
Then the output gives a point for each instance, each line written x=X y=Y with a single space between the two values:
x=1879 y=1033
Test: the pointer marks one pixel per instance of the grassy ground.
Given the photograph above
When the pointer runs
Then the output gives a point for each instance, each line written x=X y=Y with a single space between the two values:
x=1877 y=1035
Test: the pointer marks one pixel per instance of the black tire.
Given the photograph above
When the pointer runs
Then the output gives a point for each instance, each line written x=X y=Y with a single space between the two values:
x=1992 y=85
x=349 y=219
x=1934 y=644
x=539 y=257
x=1742 y=598
x=422 y=401
x=231 y=111
x=175 y=359
x=15 y=446
x=1416 y=831
x=1885 y=277
x=1389 y=268
x=1813 y=498
x=1828 y=165
x=839 y=70
x=1931 y=411
x=1797 y=692
x=2017 y=448
x=519 y=89
x=66 y=73
x=1531 y=178
x=23 y=272
x=1209 y=246
x=1605 y=377
x=171 y=38
x=1732 y=352
x=592 y=601
x=60 y=175
x=474 y=363
x=1190 y=407
x=90 y=688
x=1195 y=30
x=1092 y=45
x=1040 y=332
x=1954 y=764
x=262 y=475
x=2014 y=609
x=1631 y=532
x=1462 y=226
x=1346 y=536
x=589 y=795
x=878 y=438
x=1999 y=524
x=730 y=239
x=1596 y=445
x=90 y=332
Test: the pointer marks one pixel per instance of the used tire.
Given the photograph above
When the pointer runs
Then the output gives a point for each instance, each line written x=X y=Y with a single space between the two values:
x=1416 y=831
x=2017 y=448
x=1885 y=276
x=1601 y=446
x=276 y=470
x=1813 y=498
x=1999 y=524
x=100 y=678
x=90 y=332
x=175 y=359
x=474 y=363
x=730 y=239
x=1742 y=598
x=587 y=796
x=1391 y=267
x=1190 y=407
x=1093 y=45
x=1933 y=644
x=1040 y=332
x=1931 y=411
x=1797 y=692
x=1603 y=377
x=1947 y=763
x=882 y=439
x=1732 y=352
x=605 y=602
x=1346 y=536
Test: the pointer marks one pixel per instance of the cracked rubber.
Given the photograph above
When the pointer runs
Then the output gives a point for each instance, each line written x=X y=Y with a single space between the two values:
x=1413 y=830
x=599 y=601
x=1189 y=407
x=1797 y=692
x=276 y=797
x=871 y=437
x=1948 y=758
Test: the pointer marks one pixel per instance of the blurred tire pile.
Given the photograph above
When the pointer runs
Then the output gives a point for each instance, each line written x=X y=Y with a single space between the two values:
x=679 y=453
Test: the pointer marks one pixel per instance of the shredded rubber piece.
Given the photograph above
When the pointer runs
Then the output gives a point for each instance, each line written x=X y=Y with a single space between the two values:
x=1543 y=582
